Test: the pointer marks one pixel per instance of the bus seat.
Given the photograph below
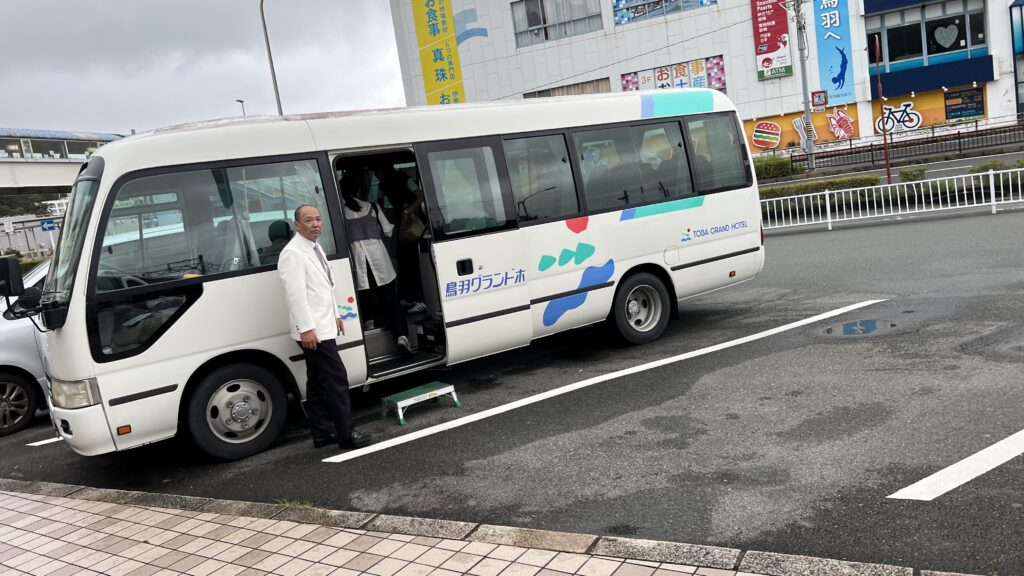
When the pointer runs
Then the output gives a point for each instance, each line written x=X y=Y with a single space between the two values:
x=280 y=232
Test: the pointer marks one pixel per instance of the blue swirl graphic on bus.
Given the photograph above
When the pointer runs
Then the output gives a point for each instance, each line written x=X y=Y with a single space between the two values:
x=592 y=276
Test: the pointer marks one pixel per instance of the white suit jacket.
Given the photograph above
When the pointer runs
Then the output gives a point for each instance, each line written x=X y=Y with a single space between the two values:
x=308 y=290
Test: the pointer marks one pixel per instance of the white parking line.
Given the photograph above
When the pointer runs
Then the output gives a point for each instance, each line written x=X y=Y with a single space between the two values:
x=353 y=454
x=42 y=442
x=964 y=471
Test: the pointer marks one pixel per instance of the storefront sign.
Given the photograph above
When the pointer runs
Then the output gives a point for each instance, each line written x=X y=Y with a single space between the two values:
x=626 y=11
x=965 y=104
x=439 y=52
x=835 y=54
x=701 y=73
x=786 y=131
x=771 y=39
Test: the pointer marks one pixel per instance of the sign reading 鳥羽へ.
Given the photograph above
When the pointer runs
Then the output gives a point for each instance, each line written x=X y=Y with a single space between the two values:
x=835 y=54
x=771 y=39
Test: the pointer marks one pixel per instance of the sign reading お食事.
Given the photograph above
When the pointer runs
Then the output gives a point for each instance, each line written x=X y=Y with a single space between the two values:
x=439 y=52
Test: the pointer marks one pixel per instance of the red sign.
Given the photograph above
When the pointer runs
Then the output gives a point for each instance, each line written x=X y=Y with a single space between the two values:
x=771 y=39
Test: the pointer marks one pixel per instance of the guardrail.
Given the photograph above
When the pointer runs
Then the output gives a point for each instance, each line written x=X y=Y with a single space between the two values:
x=937 y=194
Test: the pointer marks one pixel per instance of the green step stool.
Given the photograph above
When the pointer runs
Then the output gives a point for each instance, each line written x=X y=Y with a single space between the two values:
x=403 y=400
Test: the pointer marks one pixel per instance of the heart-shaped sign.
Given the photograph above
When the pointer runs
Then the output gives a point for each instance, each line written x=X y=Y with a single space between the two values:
x=946 y=35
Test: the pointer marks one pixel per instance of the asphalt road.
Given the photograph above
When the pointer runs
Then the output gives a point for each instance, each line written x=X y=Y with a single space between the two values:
x=789 y=443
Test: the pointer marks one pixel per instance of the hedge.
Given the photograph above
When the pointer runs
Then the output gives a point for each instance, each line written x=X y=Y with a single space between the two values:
x=767 y=167
x=27 y=265
x=814 y=186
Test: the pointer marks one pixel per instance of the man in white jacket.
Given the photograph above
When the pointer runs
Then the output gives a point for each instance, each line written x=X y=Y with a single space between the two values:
x=309 y=292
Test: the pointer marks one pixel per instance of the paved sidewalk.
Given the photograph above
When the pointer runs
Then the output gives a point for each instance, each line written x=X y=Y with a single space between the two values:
x=61 y=530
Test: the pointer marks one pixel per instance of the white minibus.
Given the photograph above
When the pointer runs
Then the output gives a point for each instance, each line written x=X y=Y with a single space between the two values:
x=512 y=221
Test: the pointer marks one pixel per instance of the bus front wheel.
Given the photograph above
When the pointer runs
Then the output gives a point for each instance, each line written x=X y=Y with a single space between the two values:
x=641 y=308
x=236 y=411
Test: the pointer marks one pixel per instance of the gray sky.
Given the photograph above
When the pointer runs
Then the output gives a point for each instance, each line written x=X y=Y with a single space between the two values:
x=114 y=65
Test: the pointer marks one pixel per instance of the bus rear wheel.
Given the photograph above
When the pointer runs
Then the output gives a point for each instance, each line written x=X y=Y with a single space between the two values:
x=19 y=401
x=236 y=411
x=641 y=308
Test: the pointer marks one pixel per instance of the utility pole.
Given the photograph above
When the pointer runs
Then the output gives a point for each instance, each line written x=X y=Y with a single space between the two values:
x=881 y=106
x=270 y=57
x=801 y=38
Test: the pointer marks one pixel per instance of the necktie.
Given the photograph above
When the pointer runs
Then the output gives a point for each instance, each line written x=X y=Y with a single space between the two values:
x=323 y=261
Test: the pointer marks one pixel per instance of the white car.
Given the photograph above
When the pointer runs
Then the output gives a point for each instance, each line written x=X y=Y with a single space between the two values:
x=22 y=379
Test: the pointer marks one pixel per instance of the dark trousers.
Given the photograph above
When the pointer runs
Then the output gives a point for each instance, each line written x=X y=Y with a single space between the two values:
x=327 y=403
x=392 y=311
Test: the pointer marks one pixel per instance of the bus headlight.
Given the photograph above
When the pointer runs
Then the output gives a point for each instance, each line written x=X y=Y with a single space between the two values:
x=74 y=393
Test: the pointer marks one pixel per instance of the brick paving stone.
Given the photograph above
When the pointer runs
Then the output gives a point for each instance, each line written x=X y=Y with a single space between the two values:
x=443 y=572
x=69 y=570
x=107 y=565
x=318 y=553
x=252 y=572
x=203 y=529
x=598 y=567
x=340 y=558
x=178 y=541
x=362 y=543
x=453 y=545
x=92 y=559
x=257 y=540
x=144 y=570
x=714 y=572
x=410 y=551
x=567 y=562
x=237 y=535
x=260 y=524
x=206 y=568
x=489 y=567
x=479 y=548
x=538 y=558
x=126 y=567
x=279 y=527
x=426 y=540
x=251 y=558
x=435 y=557
x=11 y=553
x=228 y=570
x=293 y=567
x=195 y=545
x=300 y=530
x=362 y=562
x=220 y=532
x=233 y=553
x=385 y=547
x=318 y=570
x=547 y=572
x=461 y=562
x=320 y=534
x=272 y=562
x=169 y=523
x=340 y=539
x=414 y=569
x=517 y=569
x=665 y=572
x=627 y=569
x=504 y=552
x=387 y=567
x=214 y=549
x=169 y=559
x=276 y=544
x=150 y=555
x=187 y=563
x=296 y=548
x=49 y=568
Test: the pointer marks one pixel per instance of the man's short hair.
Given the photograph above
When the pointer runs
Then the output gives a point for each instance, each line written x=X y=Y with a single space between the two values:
x=299 y=209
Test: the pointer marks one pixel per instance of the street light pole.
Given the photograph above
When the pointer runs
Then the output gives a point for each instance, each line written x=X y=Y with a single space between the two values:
x=881 y=106
x=270 y=57
x=242 y=102
x=801 y=37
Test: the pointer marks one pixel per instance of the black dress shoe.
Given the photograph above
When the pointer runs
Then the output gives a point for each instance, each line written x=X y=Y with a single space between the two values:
x=321 y=442
x=356 y=440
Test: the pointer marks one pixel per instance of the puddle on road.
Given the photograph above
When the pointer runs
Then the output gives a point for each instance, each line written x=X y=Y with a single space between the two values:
x=861 y=328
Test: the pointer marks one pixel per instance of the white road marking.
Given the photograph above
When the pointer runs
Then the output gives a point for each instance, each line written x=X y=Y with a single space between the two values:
x=42 y=442
x=353 y=454
x=964 y=471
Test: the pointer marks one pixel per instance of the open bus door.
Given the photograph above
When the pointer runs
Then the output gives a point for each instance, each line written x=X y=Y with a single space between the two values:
x=477 y=248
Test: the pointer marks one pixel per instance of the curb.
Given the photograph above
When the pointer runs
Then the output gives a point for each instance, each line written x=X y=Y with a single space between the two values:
x=711 y=557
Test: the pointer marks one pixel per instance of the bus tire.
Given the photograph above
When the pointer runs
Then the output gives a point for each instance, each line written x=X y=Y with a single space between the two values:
x=236 y=411
x=19 y=400
x=641 y=308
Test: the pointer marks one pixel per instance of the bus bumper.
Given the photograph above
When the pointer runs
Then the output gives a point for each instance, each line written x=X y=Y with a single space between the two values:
x=85 y=430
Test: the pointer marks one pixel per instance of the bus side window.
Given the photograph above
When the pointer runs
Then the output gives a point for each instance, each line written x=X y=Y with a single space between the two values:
x=541 y=177
x=608 y=162
x=664 y=169
x=468 y=189
x=719 y=153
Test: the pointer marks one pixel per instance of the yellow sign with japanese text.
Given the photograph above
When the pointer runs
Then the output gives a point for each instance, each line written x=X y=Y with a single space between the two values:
x=439 y=51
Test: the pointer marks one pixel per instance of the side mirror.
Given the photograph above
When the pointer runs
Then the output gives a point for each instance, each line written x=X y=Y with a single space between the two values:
x=10 y=277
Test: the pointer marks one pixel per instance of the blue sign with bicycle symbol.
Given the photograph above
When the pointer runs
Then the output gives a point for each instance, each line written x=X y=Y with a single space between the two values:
x=898 y=119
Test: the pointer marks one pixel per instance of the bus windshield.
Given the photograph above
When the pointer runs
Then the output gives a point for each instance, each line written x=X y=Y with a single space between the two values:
x=59 y=281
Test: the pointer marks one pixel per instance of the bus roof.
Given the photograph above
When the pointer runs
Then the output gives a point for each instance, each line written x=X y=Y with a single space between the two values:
x=396 y=127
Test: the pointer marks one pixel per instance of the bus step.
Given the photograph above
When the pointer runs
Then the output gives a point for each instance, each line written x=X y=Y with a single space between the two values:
x=402 y=400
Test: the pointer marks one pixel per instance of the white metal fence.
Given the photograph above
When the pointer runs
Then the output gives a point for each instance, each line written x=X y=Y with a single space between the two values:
x=968 y=191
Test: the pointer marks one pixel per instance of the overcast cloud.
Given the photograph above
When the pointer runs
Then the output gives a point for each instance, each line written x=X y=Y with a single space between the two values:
x=117 y=65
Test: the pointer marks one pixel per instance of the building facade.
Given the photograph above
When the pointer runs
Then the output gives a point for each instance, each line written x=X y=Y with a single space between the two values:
x=938 y=62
